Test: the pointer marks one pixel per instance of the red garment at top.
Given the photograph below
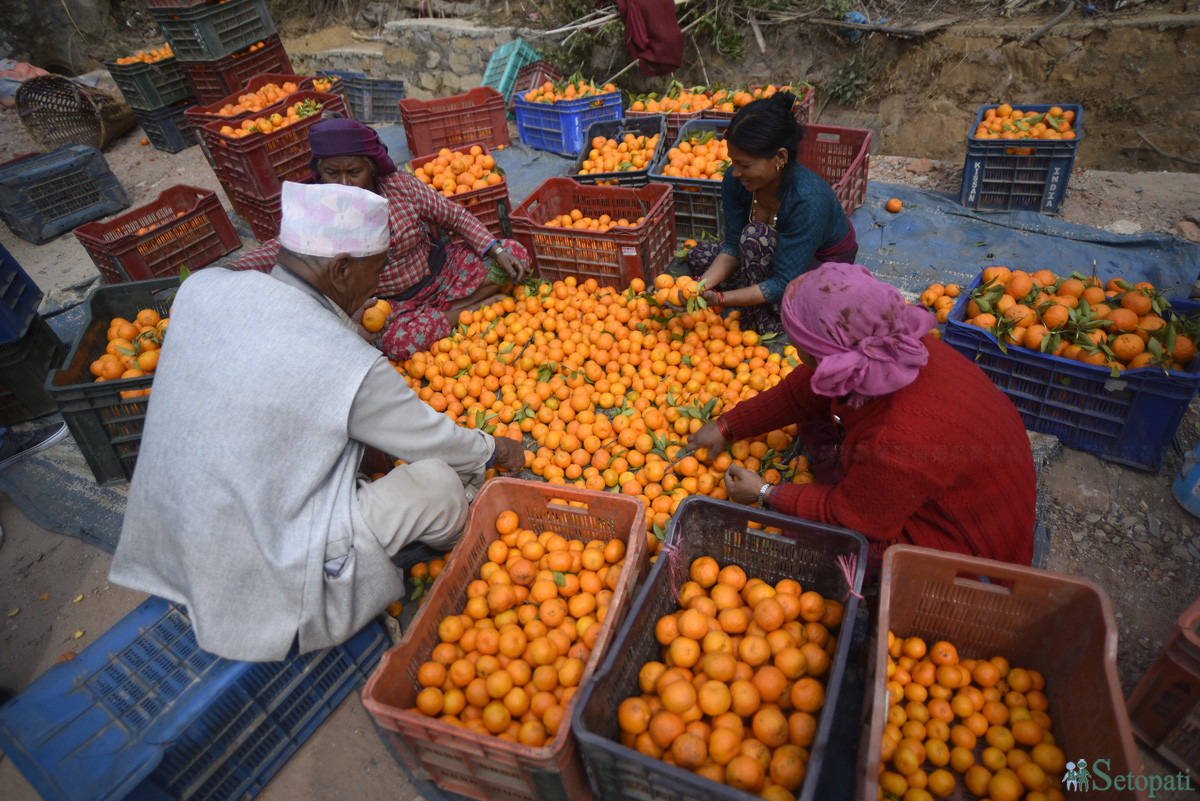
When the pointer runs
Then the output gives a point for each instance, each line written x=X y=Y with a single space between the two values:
x=652 y=34
x=943 y=463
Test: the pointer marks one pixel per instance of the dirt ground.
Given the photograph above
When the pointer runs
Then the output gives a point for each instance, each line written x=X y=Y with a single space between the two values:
x=1119 y=527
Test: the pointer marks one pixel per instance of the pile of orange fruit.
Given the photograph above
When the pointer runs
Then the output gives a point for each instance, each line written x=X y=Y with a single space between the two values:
x=256 y=101
x=978 y=721
x=265 y=125
x=738 y=99
x=577 y=219
x=157 y=54
x=454 y=172
x=676 y=100
x=741 y=683
x=1117 y=325
x=322 y=84
x=510 y=662
x=700 y=155
x=573 y=89
x=632 y=152
x=608 y=385
x=1005 y=122
x=132 y=349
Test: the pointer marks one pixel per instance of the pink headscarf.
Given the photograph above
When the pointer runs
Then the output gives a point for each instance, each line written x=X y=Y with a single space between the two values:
x=866 y=339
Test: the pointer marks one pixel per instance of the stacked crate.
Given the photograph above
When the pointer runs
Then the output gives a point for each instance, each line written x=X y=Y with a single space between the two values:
x=29 y=348
x=220 y=47
x=158 y=93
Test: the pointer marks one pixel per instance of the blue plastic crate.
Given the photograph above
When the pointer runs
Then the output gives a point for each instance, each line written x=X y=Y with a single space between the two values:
x=561 y=127
x=998 y=176
x=1129 y=420
x=144 y=713
x=43 y=195
x=19 y=299
x=147 y=87
x=167 y=128
x=370 y=99
x=506 y=63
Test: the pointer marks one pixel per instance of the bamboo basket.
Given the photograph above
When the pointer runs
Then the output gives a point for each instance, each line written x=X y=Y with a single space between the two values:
x=58 y=111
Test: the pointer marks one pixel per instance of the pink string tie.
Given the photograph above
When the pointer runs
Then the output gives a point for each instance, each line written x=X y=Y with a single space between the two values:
x=849 y=565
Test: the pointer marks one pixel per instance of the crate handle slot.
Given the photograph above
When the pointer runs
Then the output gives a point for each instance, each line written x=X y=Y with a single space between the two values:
x=562 y=507
x=982 y=583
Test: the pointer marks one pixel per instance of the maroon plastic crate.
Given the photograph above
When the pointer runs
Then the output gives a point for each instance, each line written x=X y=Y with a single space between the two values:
x=262 y=214
x=185 y=227
x=475 y=116
x=842 y=156
x=803 y=110
x=216 y=79
x=256 y=165
x=613 y=257
x=490 y=205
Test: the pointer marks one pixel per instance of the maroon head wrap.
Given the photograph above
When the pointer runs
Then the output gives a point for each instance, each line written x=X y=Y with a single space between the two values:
x=347 y=137
x=865 y=338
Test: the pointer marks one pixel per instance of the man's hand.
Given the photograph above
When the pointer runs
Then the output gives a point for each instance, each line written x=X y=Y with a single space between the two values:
x=709 y=436
x=356 y=318
x=510 y=455
x=742 y=485
x=511 y=264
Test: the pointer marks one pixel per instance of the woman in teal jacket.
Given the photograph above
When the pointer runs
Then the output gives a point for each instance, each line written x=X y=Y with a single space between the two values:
x=781 y=218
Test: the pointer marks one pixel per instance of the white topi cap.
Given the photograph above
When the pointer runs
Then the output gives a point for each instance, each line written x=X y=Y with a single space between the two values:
x=327 y=219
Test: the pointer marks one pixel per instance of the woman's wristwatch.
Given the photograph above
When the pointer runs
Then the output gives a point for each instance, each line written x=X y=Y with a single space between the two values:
x=764 y=493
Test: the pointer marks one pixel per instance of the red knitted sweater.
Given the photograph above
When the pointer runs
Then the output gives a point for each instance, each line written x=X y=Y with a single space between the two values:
x=943 y=463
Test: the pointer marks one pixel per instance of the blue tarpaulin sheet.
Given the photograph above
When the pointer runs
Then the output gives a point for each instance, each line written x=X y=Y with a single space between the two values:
x=934 y=239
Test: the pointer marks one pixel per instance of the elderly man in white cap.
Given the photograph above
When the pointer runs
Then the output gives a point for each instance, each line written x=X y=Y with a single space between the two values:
x=246 y=505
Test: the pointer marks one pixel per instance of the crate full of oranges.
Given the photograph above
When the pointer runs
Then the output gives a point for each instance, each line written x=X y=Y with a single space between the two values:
x=478 y=697
x=470 y=177
x=1105 y=364
x=556 y=117
x=122 y=322
x=988 y=680
x=725 y=678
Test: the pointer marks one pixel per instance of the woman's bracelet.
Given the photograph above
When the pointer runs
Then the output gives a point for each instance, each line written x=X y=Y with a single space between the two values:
x=720 y=298
x=498 y=247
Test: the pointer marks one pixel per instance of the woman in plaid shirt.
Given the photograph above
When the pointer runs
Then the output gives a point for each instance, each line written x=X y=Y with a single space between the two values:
x=426 y=281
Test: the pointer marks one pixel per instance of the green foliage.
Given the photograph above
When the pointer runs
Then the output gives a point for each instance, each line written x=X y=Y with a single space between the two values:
x=849 y=78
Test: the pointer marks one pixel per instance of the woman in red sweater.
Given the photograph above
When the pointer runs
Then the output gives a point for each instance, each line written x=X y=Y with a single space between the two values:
x=911 y=442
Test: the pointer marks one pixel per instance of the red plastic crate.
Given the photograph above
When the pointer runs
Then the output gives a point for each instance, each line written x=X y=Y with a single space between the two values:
x=1164 y=708
x=262 y=214
x=1057 y=624
x=613 y=257
x=213 y=80
x=491 y=206
x=189 y=228
x=842 y=156
x=258 y=164
x=199 y=115
x=457 y=759
x=803 y=110
x=476 y=116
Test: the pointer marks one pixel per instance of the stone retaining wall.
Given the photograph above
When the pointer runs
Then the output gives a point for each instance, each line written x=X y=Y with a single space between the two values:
x=435 y=58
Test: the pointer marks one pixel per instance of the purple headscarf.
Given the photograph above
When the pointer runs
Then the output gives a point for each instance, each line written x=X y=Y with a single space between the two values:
x=865 y=338
x=347 y=137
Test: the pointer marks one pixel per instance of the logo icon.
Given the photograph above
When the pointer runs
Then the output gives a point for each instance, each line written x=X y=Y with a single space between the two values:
x=1077 y=776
